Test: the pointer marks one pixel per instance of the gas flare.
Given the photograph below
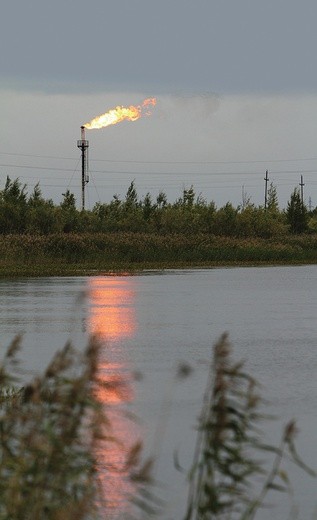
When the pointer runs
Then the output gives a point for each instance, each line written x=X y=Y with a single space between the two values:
x=120 y=113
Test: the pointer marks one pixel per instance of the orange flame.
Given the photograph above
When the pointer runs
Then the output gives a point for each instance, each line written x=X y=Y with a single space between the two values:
x=120 y=113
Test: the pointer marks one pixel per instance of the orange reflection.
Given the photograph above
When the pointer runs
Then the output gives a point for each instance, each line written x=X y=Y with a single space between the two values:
x=112 y=313
x=112 y=319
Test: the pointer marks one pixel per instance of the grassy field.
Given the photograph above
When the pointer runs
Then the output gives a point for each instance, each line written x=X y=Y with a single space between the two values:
x=84 y=254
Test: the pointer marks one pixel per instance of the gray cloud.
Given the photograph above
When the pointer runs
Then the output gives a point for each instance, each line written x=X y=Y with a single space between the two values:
x=235 y=82
x=180 y=45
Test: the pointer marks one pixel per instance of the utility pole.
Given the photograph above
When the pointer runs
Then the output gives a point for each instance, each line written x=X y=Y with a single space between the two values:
x=302 y=184
x=309 y=204
x=266 y=178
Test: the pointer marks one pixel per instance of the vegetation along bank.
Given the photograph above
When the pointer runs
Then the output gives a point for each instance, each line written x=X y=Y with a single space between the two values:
x=39 y=237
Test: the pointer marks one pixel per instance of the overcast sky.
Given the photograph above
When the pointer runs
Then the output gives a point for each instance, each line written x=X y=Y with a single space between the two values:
x=235 y=82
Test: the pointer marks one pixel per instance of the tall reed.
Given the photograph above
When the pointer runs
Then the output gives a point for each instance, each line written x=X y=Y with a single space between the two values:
x=58 y=253
x=51 y=430
x=226 y=460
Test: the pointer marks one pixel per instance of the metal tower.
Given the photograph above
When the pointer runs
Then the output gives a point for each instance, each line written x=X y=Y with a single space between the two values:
x=83 y=144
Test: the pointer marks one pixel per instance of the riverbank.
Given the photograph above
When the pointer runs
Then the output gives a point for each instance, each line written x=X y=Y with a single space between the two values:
x=87 y=254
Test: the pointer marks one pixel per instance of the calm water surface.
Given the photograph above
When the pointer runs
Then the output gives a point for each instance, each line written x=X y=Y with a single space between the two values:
x=152 y=322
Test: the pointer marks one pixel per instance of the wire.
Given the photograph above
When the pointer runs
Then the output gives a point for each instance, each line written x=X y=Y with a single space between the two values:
x=36 y=167
x=266 y=161
x=73 y=174
x=93 y=181
x=125 y=172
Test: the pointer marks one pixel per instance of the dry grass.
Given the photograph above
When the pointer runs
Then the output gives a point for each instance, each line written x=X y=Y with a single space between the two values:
x=229 y=447
x=77 y=254
x=51 y=431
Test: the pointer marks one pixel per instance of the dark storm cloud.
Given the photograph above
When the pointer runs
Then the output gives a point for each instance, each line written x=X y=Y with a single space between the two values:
x=177 y=45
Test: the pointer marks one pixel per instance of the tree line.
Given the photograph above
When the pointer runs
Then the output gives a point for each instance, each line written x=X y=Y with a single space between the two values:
x=24 y=213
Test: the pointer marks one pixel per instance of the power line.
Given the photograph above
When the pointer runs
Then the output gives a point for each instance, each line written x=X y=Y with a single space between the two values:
x=125 y=172
x=262 y=161
x=39 y=156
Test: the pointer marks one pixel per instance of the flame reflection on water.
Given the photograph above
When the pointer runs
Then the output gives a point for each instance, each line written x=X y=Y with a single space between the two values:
x=112 y=320
x=112 y=315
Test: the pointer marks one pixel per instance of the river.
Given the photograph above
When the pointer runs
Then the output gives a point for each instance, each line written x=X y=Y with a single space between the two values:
x=152 y=322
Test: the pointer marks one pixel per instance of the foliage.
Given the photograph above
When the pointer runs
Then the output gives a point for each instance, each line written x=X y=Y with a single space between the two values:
x=50 y=432
x=52 y=429
x=296 y=213
x=189 y=214
x=131 y=198
x=226 y=461
x=272 y=199
x=76 y=253
x=13 y=207
x=47 y=432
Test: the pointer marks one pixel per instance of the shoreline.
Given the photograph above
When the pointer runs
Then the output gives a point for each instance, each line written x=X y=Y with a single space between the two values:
x=40 y=271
